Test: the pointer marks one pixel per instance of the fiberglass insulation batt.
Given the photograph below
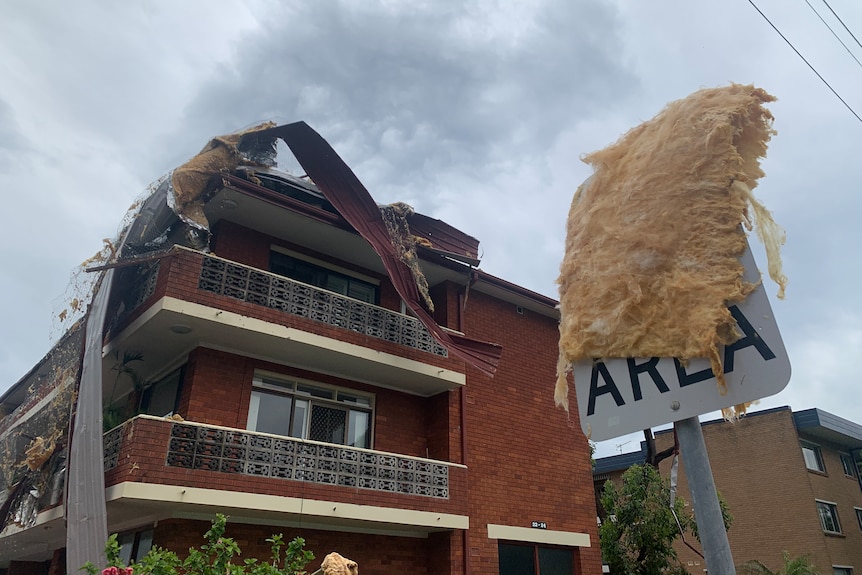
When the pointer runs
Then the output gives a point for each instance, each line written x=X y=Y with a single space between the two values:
x=654 y=237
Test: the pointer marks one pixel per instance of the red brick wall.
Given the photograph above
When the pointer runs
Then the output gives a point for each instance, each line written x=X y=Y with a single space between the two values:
x=240 y=244
x=379 y=554
x=444 y=426
x=58 y=562
x=217 y=388
x=527 y=459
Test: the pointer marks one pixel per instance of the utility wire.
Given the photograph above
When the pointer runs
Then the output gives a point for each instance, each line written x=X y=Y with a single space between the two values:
x=842 y=22
x=822 y=79
x=852 y=55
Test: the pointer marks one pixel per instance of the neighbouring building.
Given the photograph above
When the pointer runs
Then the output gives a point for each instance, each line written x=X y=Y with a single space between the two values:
x=264 y=356
x=791 y=480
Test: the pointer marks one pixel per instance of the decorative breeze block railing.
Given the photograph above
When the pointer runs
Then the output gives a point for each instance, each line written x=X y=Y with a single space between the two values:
x=277 y=292
x=112 y=441
x=260 y=455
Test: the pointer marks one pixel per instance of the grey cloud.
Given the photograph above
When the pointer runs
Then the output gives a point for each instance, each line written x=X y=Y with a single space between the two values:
x=407 y=92
x=13 y=144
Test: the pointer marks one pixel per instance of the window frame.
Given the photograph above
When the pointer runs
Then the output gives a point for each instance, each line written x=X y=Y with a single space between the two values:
x=536 y=552
x=847 y=462
x=331 y=270
x=858 y=511
x=145 y=404
x=833 y=508
x=135 y=551
x=287 y=386
x=818 y=454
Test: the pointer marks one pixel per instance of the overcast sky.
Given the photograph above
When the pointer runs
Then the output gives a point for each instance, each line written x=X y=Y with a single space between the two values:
x=473 y=112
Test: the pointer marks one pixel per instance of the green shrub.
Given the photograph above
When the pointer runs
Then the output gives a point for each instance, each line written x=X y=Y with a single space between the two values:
x=216 y=557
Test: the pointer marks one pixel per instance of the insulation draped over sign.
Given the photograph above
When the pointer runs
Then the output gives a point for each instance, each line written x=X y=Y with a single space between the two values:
x=653 y=238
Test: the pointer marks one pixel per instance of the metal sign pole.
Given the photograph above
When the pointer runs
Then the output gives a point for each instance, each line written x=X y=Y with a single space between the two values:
x=704 y=498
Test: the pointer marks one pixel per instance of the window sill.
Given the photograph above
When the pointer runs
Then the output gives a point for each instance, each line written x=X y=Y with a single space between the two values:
x=834 y=534
x=816 y=472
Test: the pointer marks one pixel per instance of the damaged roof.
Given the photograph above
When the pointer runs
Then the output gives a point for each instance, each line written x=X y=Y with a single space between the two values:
x=334 y=194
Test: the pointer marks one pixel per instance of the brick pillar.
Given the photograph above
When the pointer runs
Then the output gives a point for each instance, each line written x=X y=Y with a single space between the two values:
x=58 y=562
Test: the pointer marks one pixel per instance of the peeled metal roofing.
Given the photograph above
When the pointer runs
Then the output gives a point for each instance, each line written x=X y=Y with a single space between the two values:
x=347 y=194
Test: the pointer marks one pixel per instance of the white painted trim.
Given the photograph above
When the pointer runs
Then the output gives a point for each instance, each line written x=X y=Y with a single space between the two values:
x=510 y=533
x=235 y=320
x=194 y=496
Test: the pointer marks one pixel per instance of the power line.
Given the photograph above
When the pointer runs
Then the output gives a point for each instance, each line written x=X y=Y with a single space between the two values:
x=822 y=79
x=852 y=55
x=842 y=22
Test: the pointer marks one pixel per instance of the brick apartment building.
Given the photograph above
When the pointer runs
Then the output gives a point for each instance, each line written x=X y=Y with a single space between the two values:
x=309 y=395
x=790 y=479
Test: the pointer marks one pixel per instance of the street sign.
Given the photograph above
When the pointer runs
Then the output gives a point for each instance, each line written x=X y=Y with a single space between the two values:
x=624 y=395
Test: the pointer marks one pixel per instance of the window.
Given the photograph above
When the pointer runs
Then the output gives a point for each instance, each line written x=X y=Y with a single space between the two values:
x=519 y=559
x=134 y=545
x=839 y=570
x=310 y=411
x=858 y=517
x=848 y=465
x=828 y=516
x=813 y=457
x=161 y=398
x=319 y=276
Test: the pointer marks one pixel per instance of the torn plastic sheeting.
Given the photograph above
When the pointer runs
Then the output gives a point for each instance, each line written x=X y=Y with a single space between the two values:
x=86 y=514
x=653 y=238
x=344 y=191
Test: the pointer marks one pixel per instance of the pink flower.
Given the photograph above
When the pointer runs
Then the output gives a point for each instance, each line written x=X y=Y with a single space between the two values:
x=117 y=571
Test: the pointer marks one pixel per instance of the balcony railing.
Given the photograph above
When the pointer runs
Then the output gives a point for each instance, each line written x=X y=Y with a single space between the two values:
x=210 y=448
x=277 y=292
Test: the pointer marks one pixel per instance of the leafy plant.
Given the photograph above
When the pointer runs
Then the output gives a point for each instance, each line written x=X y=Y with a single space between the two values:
x=792 y=566
x=113 y=415
x=215 y=557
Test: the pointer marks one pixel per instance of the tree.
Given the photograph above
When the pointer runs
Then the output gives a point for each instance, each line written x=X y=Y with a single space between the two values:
x=638 y=536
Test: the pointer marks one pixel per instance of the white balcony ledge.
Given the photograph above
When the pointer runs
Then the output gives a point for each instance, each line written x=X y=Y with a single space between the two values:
x=151 y=336
x=130 y=501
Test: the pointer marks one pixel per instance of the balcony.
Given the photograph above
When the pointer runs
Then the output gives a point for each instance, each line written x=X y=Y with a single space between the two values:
x=189 y=299
x=156 y=466
x=248 y=284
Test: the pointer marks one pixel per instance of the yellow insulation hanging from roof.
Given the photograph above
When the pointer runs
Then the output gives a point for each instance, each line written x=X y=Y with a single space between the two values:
x=653 y=238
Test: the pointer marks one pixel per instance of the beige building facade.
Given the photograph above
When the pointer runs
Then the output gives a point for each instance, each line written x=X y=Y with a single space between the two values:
x=791 y=481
